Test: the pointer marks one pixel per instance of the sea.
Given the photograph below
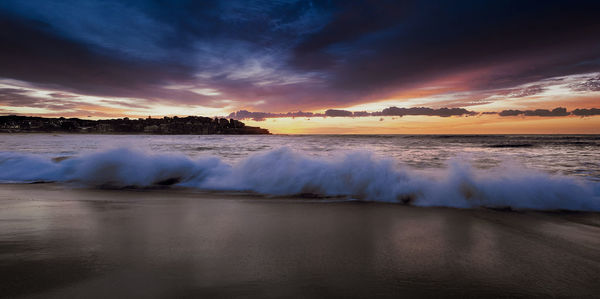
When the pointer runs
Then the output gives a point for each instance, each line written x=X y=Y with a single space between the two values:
x=544 y=172
x=299 y=216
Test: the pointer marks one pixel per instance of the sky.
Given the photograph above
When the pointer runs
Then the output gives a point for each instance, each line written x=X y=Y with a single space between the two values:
x=309 y=66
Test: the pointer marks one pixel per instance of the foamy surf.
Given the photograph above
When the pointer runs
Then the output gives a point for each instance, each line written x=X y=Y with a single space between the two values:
x=284 y=172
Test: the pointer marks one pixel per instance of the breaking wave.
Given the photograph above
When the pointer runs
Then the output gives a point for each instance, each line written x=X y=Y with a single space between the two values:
x=285 y=172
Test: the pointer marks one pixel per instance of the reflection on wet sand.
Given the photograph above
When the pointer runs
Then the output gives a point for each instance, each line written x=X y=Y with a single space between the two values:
x=56 y=242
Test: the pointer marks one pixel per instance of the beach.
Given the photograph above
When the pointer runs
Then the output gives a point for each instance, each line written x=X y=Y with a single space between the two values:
x=61 y=242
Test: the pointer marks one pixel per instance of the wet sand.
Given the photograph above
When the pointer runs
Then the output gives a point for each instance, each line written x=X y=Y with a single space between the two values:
x=59 y=243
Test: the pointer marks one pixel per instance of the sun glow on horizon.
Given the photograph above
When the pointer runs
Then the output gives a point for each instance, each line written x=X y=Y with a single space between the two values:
x=484 y=124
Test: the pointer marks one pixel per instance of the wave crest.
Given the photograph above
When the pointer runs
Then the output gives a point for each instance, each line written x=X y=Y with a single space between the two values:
x=282 y=172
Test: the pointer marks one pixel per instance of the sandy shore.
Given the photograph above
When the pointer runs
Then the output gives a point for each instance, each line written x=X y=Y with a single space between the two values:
x=59 y=243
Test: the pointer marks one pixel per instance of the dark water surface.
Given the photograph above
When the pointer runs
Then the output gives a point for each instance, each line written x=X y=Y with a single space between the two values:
x=80 y=243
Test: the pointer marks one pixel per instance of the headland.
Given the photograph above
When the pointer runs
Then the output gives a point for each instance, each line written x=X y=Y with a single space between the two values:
x=193 y=125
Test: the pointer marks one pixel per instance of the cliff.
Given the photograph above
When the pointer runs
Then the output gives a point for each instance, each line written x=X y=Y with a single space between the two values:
x=196 y=125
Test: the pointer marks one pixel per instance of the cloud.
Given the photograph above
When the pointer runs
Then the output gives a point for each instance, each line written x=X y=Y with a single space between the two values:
x=338 y=113
x=443 y=112
x=401 y=47
x=538 y=112
x=391 y=111
x=592 y=84
x=419 y=111
x=260 y=116
x=16 y=97
x=528 y=91
x=61 y=95
x=34 y=54
x=360 y=113
x=544 y=112
x=586 y=112
x=511 y=112
x=290 y=55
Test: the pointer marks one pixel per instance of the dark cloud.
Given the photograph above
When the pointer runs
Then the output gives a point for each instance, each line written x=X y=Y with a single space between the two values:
x=391 y=111
x=245 y=114
x=538 y=112
x=443 y=112
x=7 y=92
x=338 y=113
x=15 y=97
x=511 y=112
x=61 y=104
x=422 y=111
x=61 y=95
x=360 y=113
x=284 y=55
x=528 y=91
x=126 y=104
x=425 y=40
x=545 y=112
x=260 y=116
x=586 y=112
x=592 y=84
x=31 y=54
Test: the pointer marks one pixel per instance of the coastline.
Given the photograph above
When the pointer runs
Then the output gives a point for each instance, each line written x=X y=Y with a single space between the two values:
x=190 y=125
x=127 y=133
x=61 y=242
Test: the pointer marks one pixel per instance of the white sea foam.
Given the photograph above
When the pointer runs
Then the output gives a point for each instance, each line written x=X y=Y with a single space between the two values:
x=355 y=175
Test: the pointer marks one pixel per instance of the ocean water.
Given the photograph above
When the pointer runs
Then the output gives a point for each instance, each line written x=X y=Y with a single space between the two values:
x=542 y=172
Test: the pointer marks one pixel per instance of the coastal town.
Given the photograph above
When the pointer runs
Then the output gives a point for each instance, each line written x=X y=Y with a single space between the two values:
x=193 y=125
